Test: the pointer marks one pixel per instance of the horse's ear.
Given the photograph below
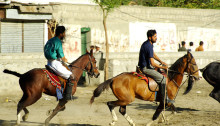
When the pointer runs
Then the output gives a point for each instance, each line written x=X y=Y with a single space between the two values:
x=189 y=54
x=91 y=52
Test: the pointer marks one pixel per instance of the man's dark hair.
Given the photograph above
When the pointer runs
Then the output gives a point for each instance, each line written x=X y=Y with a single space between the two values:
x=191 y=43
x=60 y=30
x=151 y=33
x=201 y=43
x=183 y=43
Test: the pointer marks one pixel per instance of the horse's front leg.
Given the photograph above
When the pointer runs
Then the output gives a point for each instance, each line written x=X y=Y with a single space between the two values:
x=166 y=119
x=59 y=107
x=156 y=114
x=173 y=108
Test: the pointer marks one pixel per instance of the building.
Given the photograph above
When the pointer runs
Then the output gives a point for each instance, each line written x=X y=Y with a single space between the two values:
x=23 y=28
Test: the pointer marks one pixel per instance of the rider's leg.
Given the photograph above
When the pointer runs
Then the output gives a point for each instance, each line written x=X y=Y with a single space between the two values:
x=160 y=79
x=69 y=87
x=65 y=73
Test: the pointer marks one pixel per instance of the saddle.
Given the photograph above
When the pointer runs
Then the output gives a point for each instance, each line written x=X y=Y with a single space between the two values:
x=153 y=86
x=55 y=79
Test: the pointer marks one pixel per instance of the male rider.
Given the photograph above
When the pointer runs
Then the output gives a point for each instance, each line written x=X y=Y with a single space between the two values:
x=147 y=64
x=53 y=52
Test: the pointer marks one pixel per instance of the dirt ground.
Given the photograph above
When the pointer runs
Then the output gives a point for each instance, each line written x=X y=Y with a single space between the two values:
x=194 y=109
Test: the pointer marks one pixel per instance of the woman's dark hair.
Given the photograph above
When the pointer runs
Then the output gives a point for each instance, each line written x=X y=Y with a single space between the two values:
x=151 y=33
x=60 y=30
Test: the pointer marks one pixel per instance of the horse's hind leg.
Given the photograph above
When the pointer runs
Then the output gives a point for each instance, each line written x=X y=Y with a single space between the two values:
x=25 y=101
x=111 y=107
x=59 y=107
x=25 y=116
x=122 y=110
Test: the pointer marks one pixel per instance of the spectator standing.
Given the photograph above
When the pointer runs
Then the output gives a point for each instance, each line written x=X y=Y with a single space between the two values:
x=191 y=48
x=182 y=48
x=92 y=47
x=200 y=48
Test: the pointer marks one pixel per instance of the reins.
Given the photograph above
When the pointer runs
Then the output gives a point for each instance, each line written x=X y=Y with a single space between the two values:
x=188 y=75
x=84 y=69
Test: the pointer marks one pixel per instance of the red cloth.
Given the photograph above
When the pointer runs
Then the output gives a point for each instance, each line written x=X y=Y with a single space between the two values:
x=54 y=80
x=140 y=76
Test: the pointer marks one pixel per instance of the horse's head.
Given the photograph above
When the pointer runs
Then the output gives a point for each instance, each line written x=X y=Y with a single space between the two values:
x=192 y=71
x=91 y=68
x=191 y=66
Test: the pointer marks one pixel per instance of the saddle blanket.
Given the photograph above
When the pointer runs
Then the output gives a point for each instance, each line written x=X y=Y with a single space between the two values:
x=54 y=80
x=141 y=76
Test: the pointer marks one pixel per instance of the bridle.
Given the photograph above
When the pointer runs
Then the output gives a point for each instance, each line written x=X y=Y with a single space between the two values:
x=188 y=74
x=194 y=64
x=91 y=70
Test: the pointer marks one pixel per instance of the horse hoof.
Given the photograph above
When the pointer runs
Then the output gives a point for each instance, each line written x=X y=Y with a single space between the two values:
x=112 y=124
x=25 y=117
x=161 y=120
x=133 y=124
x=46 y=123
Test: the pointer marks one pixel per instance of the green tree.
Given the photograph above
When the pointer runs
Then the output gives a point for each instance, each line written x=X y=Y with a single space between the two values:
x=106 y=7
x=206 y=4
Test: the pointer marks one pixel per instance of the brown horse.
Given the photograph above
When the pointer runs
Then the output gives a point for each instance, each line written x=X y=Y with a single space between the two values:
x=35 y=81
x=127 y=86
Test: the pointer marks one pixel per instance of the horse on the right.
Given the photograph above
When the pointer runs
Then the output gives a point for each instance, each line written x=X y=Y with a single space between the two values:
x=211 y=73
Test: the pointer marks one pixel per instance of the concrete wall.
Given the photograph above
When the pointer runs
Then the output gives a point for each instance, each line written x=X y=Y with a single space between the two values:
x=127 y=62
x=119 y=62
x=173 y=25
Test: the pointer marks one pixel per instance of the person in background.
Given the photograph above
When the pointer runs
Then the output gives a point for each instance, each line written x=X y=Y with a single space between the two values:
x=200 y=48
x=92 y=47
x=97 y=49
x=183 y=48
x=191 y=48
x=99 y=57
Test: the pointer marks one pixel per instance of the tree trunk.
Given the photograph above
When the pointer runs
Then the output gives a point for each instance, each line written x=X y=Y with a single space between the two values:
x=107 y=47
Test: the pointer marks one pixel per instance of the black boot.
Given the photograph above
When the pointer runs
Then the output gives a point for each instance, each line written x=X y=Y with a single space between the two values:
x=68 y=90
x=162 y=89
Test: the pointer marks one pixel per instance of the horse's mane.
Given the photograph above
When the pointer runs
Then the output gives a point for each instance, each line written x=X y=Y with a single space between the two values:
x=174 y=68
x=78 y=58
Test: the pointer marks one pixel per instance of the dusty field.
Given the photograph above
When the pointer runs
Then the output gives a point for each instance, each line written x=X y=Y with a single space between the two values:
x=195 y=109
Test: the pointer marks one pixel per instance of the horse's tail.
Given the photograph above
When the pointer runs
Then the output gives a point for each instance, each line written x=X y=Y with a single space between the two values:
x=103 y=86
x=203 y=69
x=12 y=72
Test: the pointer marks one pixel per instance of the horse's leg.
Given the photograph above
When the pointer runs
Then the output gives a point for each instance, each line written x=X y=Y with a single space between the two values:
x=122 y=110
x=25 y=116
x=26 y=100
x=111 y=107
x=113 y=104
x=60 y=107
x=156 y=114
x=173 y=108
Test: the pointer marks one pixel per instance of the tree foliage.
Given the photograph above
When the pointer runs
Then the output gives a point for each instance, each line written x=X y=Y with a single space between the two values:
x=205 y=4
x=107 y=6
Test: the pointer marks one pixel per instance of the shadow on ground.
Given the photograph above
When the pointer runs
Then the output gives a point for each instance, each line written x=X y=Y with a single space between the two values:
x=13 y=123
x=141 y=106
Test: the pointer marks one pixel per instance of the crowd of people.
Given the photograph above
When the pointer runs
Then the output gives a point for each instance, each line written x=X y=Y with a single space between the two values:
x=191 y=47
